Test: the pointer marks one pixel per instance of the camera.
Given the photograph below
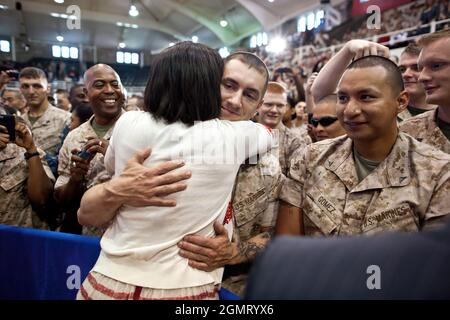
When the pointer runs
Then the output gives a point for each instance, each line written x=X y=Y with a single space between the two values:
x=9 y=122
x=84 y=154
x=11 y=72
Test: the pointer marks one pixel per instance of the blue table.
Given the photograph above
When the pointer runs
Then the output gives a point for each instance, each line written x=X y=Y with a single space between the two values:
x=45 y=265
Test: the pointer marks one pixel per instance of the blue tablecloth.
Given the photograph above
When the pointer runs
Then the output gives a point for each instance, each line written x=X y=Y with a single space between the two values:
x=44 y=265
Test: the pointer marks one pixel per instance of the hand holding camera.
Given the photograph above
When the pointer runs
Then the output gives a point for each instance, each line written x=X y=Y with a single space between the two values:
x=95 y=145
x=14 y=130
x=24 y=138
x=8 y=122
x=79 y=164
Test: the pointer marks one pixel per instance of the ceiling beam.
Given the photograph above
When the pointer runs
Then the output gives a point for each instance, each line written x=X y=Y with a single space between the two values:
x=226 y=35
x=290 y=10
x=97 y=16
x=265 y=17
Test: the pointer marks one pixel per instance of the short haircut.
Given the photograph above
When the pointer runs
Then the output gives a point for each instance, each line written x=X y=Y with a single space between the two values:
x=331 y=98
x=412 y=49
x=62 y=91
x=83 y=111
x=16 y=91
x=394 y=75
x=253 y=61
x=433 y=37
x=276 y=87
x=32 y=73
x=88 y=72
x=72 y=90
x=184 y=84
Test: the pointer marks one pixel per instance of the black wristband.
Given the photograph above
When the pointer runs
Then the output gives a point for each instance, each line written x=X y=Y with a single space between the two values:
x=30 y=155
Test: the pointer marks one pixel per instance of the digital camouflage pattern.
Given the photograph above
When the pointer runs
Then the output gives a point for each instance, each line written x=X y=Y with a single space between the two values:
x=48 y=128
x=406 y=192
x=404 y=115
x=255 y=206
x=288 y=143
x=96 y=174
x=424 y=128
x=15 y=207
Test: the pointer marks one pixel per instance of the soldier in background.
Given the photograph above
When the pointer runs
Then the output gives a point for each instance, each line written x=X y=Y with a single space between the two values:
x=433 y=127
x=13 y=98
x=324 y=119
x=410 y=73
x=270 y=114
x=46 y=121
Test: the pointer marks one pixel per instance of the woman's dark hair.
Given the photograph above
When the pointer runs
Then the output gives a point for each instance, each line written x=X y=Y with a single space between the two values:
x=184 y=84
x=83 y=111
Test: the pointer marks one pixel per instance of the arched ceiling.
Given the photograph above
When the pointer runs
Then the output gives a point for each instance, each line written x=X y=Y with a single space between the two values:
x=159 y=21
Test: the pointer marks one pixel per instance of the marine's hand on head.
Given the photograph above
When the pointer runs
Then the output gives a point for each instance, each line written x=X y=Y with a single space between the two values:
x=362 y=48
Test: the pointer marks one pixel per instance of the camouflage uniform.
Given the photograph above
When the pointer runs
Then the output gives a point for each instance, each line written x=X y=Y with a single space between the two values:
x=302 y=134
x=48 y=128
x=288 y=143
x=405 y=114
x=15 y=207
x=425 y=129
x=96 y=174
x=408 y=190
x=255 y=205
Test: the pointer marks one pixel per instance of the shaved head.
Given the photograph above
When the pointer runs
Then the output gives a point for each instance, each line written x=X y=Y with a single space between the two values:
x=393 y=73
x=104 y=91
x=100 y=67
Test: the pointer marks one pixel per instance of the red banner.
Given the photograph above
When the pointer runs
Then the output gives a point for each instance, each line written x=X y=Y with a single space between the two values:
x=360 y=6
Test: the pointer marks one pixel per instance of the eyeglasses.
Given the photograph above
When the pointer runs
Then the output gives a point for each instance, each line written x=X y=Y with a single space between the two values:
x=324 y=122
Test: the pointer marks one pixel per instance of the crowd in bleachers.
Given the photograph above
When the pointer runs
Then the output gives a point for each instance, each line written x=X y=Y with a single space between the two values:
x=320 y=44
x=341 y=168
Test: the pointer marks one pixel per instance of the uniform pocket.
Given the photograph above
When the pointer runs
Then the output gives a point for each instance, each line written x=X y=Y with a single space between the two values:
x=14 y=177
x=321 y=212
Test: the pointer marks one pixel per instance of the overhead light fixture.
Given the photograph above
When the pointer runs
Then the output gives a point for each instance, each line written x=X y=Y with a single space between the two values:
x=119 y=24
x=133 y=11
x=63 y=15
x=276 y=45
x=194 y=39
x=54 y=14
x=127 y=25
x=134 y=26
x=60 y=38
x=59 y=1
x=3 y=7
x=122 y=45
x=271 y=1
x=224 y=52
x=223 y=23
